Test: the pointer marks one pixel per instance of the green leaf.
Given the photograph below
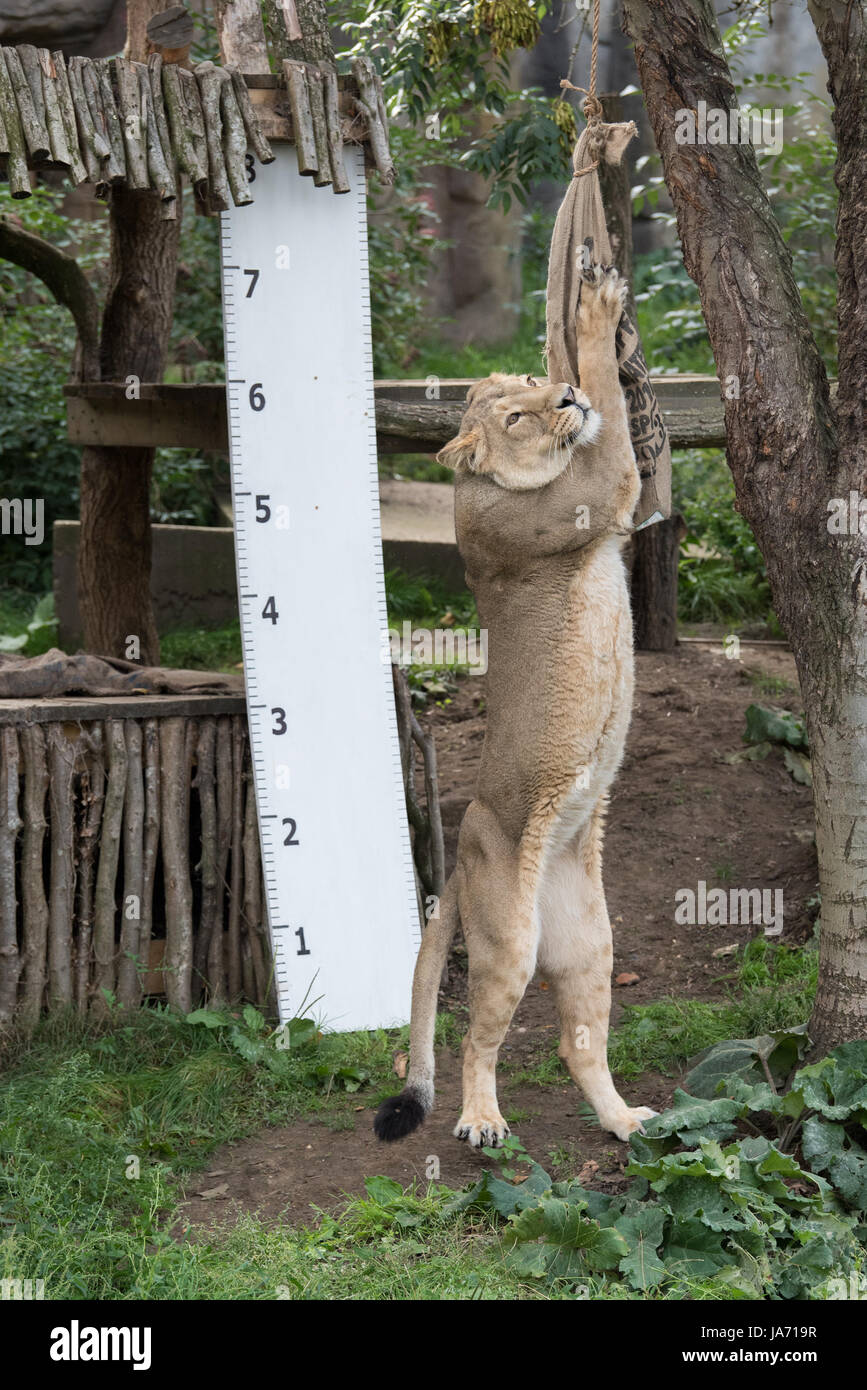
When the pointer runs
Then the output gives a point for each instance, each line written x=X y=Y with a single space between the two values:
x=692 y=1251
x=383 y=1190
x=691 y=1112
x=209 y=1018
x=765 y=724
x=643 y=1233
x=821 y=1141
x=252 y=1018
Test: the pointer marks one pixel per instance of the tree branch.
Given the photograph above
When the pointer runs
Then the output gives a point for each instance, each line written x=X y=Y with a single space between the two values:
x=68 y=284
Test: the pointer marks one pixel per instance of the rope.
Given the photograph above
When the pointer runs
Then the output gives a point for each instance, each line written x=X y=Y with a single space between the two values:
x=591 y=106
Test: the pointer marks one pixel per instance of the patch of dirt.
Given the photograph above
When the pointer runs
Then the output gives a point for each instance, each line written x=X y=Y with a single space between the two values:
x=679 y=814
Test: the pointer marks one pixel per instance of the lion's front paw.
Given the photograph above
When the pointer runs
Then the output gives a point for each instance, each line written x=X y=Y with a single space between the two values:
x=482 y=1131
x=628 y=1120
x=603 y=298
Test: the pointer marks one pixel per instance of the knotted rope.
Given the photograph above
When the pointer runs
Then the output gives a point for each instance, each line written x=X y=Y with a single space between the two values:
x=591 y=106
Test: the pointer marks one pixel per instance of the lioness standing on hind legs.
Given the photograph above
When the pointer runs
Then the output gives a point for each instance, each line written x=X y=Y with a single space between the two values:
x=545 y=488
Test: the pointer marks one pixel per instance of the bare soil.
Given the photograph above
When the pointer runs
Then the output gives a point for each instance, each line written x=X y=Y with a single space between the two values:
x=679 y=813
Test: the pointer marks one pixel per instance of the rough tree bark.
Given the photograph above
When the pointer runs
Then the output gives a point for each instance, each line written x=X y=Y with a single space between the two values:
x=790 y=451
x=114 y=553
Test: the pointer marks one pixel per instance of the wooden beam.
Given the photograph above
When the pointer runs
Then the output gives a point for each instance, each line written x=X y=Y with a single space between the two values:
x=194 y=417
x=73 y=709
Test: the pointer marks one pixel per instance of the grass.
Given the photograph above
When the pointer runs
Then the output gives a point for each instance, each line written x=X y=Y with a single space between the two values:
x=101 y=1123
x=772 y=988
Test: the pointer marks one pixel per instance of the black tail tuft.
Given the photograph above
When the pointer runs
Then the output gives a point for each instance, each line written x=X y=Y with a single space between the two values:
x=398 y=1116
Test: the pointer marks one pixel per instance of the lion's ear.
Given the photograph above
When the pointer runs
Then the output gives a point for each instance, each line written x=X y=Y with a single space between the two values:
x=466 y=451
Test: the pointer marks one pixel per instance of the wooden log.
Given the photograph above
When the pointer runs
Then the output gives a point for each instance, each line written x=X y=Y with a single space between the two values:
x=320 y=128
x=302 y=119
x=162 y=179
x=78 y=168
x=115 y=170
x=17 y=173
x=174 y=835
x=234 y=144
x=233 y=943
x=104 y=902
x=61 y=762
x=256 y=927
x=130 y=962
x=372 y=107
x=92 y=798
x=87 y=135
x=32 y=115
x=210 y=79
x=10 y=824
x=261 y=147
x=60 y=151
x=34 y=934
x=186 y=124
x=171 y=33
x=241 y=35
x=93 y=93
x=151 y=759
x=155 y=73
x=215 y=952
x=210 y=915
x=334 y=130
x=134 y=134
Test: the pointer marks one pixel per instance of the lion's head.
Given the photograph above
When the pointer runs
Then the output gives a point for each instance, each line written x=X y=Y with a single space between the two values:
x=521 y=434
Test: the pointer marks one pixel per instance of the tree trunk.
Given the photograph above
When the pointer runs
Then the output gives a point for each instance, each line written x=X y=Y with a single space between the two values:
x=653 y=583
x=114 y=555
x=789 y=450
x=315 y=46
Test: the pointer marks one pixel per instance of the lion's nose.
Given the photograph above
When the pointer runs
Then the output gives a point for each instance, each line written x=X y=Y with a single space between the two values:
x=568 y=398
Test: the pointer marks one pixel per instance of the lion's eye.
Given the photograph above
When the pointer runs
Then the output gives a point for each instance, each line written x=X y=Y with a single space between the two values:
x=513 y=418
x=531 y=381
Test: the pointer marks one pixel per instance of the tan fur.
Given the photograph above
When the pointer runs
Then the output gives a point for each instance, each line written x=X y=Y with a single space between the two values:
x=527 y=888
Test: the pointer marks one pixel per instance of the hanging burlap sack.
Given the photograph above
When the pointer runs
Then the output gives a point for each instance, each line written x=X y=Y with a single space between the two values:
x=580 y=239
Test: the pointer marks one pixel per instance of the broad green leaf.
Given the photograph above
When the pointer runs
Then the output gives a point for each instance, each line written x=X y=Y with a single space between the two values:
x=692 y=1251
x=209 y=1018
x=383 y=1190
x=775 y=726
x=821 y=1141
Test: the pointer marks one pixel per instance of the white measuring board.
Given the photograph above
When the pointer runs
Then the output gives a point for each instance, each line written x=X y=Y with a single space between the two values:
x=323 y=729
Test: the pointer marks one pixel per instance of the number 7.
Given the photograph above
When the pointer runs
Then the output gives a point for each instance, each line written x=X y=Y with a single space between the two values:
x=253 y=282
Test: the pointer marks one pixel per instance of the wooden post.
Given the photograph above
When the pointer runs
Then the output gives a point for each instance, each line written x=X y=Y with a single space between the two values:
x=175 y=843
x=34 y=938
x=10 y=824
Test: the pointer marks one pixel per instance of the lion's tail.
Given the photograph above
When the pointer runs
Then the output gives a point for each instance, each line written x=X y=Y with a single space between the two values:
x=399 y=1115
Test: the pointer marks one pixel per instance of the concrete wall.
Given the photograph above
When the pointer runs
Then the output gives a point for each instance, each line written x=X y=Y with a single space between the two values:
x=193 y=574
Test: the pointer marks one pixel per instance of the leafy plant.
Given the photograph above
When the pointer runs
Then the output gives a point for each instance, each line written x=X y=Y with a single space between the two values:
x=741 y=1213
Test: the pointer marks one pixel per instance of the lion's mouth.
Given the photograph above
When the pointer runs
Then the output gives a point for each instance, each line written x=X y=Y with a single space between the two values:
x=570 y=427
